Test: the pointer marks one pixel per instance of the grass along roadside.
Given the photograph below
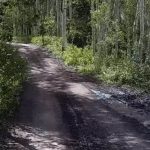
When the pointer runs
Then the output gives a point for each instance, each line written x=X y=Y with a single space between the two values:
x=109 y=69
x=81 y=59
x=12 y=75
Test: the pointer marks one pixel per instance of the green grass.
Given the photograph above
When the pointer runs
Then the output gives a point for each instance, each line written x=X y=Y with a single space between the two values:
x=109 y=69
x=80 y=58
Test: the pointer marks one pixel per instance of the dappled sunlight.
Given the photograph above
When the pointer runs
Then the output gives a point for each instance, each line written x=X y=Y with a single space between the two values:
x=38 y=138
x=62 y=111
x=50 y=66
x=85 y=83
x=52 y=76
x=74 y=96
x=43 y=84
x=79 y=89
x=24 y=50
x=31 y=46
x=35 y=70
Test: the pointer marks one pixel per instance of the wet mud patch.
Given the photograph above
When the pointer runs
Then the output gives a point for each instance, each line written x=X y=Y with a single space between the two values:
x=84 y=128
x=134 y=99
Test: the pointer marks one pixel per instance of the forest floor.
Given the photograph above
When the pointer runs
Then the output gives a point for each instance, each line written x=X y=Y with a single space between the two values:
x=62 y=110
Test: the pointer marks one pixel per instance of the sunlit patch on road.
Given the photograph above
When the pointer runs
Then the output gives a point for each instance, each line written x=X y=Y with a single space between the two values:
x=37 y=138
x=79 y=89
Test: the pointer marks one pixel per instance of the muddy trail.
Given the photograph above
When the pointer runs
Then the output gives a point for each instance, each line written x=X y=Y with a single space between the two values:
x=61 y=110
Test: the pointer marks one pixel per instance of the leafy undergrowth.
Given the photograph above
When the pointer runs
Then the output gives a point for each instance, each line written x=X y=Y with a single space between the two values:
x=80 y=58
x=123 y=71
x=12 y=74
x=109 y=69
x=112 y=70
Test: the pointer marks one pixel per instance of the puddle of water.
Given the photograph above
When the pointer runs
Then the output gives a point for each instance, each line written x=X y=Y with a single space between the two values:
x=101 y=95
x=117 y=92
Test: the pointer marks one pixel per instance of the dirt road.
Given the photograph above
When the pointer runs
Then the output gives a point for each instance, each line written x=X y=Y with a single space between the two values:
x=59 y=111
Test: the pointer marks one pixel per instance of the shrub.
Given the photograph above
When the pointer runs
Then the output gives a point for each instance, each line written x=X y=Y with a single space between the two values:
x=80 y=58
x=141 y=76
x=12 y=73
x=108 y=68
x=115 y=70
x=72 y=55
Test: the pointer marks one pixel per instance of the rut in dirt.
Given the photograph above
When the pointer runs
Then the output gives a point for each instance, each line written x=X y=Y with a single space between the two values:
x=59 y=112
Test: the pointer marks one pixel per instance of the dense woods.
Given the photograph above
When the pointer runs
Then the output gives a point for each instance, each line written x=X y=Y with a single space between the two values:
x=106 y=39
x=109 y=39
x=119 y=28
x=12 y=66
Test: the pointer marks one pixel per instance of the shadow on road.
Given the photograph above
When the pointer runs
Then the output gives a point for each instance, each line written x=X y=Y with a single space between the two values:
x=59 y=112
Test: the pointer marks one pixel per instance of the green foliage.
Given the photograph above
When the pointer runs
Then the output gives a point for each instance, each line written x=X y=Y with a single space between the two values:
x=115 y=70
x=122 y=71
x=118 y=31
x=6 y=26
x=80 y=58
x=100 y=15
x=12 y=73
x=49 y=25
x=54 y=44
x=110 y=69
x=141 y=76
x=73 y=55
x=79 y=25
x=37 y=40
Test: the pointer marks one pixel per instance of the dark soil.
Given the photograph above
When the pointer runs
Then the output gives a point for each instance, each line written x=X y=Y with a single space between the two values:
x=59 y=111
